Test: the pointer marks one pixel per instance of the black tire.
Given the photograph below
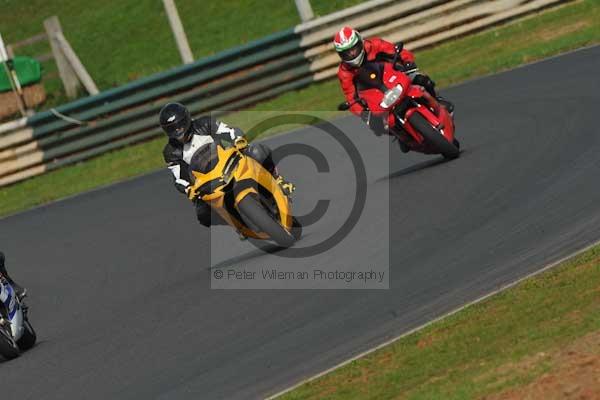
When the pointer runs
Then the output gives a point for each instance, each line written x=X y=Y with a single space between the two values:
x=8 y=347
x=27 y=341
x=296 y=229
x=433 y=136
x=252 y=211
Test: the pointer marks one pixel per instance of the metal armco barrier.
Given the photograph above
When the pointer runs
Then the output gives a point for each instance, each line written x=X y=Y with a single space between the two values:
x=233 y=79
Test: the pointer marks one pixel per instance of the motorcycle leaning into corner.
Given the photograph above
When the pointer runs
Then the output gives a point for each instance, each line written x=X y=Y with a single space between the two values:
x=16 y=332
x=243 y=193
x=407 y=111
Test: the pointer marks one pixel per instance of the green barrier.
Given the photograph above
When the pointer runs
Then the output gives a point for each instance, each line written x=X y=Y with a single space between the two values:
x=76 y=140
x=162 y=78
x=183 y=83
x=294 y=65
x=108 y=141
x=28 y=70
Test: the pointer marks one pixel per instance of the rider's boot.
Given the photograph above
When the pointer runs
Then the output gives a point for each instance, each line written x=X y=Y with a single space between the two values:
x=429 y=85
x=448 y=105
x=287 y=186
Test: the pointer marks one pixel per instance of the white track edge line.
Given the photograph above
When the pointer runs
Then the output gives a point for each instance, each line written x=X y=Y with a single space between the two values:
x=423 y=326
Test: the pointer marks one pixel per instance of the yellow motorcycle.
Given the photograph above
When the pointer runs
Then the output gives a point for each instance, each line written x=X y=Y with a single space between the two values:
x=243 y=193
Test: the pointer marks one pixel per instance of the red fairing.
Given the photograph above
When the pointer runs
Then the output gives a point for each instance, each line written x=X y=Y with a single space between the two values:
x=422 y=102
x=373 y=97
x=373 y=47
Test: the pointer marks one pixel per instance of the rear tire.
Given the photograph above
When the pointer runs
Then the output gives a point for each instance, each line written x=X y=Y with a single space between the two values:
x=433 y=136
x=8 y=347
x=255 y=213
x=27 y=341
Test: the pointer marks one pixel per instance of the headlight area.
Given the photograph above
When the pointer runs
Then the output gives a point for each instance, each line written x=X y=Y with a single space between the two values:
x=391 y=96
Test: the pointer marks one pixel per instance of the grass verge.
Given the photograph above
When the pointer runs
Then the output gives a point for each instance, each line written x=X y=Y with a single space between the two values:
x=120 y=41
x=507 y=346
x=538 y=36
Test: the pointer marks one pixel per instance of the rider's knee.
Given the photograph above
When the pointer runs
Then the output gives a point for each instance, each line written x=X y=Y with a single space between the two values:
x=261 y=153
x=426 y=82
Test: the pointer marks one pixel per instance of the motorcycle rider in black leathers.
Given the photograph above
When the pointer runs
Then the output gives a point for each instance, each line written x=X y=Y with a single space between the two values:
x=187 y=135
x=19 y=290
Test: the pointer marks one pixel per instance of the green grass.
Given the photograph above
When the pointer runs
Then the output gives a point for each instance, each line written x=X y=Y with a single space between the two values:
x=552 y=32
x=478 y=350
x=120 y=41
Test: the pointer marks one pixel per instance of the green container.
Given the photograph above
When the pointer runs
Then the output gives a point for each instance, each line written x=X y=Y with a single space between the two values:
x=29 y=71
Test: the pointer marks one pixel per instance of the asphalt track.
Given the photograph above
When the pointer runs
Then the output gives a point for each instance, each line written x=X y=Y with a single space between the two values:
x=119 y=277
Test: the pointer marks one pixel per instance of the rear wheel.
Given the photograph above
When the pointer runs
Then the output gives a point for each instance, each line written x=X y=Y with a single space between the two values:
x=27 y=341
x=433 y=136
x=252 y=211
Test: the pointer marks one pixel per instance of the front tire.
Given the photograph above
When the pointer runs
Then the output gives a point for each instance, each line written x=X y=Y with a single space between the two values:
x=8 y=347
x=27 y=341
x=252 y=211
x=433 y=136
x=296 y=229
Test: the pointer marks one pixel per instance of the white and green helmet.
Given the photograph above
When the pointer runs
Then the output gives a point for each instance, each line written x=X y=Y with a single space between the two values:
x=349 y=45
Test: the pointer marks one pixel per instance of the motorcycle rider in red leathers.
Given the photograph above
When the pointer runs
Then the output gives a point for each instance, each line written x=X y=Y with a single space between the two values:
x=354 y=51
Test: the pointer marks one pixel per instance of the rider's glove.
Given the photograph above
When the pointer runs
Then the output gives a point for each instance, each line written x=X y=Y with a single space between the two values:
x=191 y=194
x=240 y=142
x=411 y=69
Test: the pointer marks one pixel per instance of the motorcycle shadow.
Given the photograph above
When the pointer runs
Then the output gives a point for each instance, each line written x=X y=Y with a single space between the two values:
x=24 y=353
x=414 y=168
x=262 y=248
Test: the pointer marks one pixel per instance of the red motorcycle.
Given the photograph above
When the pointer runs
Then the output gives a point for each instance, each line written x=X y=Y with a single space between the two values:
x=408 y=111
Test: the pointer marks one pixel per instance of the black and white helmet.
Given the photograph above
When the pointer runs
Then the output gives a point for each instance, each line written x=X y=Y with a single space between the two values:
x=176 y=121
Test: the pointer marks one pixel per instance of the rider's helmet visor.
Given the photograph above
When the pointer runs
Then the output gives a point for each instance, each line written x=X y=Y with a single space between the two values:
x=353 y=52
x=177 y=129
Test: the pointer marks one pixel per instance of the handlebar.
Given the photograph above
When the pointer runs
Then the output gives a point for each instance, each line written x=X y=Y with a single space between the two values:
x=346 y=106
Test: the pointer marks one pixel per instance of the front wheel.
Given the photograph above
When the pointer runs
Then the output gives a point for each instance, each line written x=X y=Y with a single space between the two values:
x=27 y=341
x=296 y=229
x=8 y=347
x=255 y=213
x=433 y=136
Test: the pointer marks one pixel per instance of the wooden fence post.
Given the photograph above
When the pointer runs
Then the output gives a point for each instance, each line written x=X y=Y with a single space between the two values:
x=76 y=64
x=178 y=32
x=305 y=10
x=66 y=72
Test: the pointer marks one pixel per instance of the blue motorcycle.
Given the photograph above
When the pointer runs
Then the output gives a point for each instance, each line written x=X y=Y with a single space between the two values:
x=16 y=333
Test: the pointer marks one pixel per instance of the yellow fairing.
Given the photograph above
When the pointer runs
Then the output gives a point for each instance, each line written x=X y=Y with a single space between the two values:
x=246 y=176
